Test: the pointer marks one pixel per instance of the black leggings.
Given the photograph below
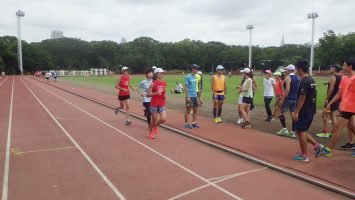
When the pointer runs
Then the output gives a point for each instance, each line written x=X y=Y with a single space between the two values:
x=267 y=101
x=147 y=113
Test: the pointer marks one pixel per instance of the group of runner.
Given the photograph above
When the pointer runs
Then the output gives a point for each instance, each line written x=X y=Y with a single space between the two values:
x=46 y=74
x=294 y=89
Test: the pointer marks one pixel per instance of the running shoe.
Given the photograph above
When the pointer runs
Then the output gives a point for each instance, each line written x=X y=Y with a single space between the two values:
x=188 y=126
x=283 y=131
x=239 y=121
x=318 y=150
x=324 y=134
x=195 y=125
x=327 y=152
x=292 y=134
x=116 y=111
x=300 y=158
x=219 y=120
x=155 y=130
x=271 y=119
x=347 y=146
x=128 y=122
x=216 y=120
x=151 y=135
x=246 y=125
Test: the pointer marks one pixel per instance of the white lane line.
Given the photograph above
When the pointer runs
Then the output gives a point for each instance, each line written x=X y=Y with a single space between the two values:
x=3 y=81
x=5 y=183
x=97 y=169
x=144 y=145
x=215 y=182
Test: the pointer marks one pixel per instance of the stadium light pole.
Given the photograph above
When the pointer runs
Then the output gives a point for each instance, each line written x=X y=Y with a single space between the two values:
x=312 y=16
x=250 y=28
x=19 y=14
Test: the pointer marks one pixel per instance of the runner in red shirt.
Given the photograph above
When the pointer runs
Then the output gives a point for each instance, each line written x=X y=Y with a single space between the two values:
x=123 y=93
x=157 y=91
x=279 y=93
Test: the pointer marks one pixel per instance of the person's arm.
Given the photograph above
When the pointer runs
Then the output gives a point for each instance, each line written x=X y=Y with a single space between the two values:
x=331 y=86
x=225 y=89
x=255 y=85
x=139 y=89
x=288 y=85
x=212 y=84
x=131 y=86
x=335 y=99
x=151 y=93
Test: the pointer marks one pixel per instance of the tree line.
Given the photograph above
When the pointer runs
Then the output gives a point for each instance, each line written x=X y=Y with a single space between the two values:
x=145 y=52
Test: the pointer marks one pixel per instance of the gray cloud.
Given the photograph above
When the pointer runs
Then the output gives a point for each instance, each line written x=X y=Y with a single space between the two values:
x=164 y=20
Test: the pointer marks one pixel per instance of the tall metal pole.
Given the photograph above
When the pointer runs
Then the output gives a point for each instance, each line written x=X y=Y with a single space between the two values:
x=312 y=16
x=250 y=28
x=19 y=14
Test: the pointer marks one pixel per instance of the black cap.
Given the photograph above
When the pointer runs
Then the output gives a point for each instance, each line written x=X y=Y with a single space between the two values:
x=336 y=67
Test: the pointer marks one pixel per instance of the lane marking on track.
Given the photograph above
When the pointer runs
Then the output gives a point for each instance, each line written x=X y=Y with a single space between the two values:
x=20 y=152
x=5 y=184
x=220 y=179
x=144 y=145
x=3 y=81
x=317 y=181
x=97 y=169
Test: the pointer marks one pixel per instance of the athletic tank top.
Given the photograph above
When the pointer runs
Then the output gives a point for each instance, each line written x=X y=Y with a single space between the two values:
x=292 y=95
x=218 y=85
x=336 y=86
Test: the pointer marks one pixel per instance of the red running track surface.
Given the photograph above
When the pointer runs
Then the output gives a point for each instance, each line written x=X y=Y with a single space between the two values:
x=139 y=168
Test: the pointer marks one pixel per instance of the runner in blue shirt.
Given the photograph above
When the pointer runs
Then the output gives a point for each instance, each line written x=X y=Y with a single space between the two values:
x=144 y=85
x=191 y=97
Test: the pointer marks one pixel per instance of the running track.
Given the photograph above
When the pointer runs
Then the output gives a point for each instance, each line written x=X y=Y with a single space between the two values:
x=64 y=147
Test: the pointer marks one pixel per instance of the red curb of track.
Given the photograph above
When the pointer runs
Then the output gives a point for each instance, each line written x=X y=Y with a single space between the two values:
x=305 y=176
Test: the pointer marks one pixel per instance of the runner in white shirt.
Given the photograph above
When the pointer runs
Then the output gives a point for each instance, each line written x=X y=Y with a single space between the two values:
x=47 y=75
x=269 y=93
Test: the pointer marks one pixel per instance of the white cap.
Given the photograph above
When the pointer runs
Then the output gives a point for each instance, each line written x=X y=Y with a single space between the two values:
x=245 y=70
x=199 y=73
x=291 y=67
x=124 y=68
x=158 y=70
x=220 y=67
x=154 y=67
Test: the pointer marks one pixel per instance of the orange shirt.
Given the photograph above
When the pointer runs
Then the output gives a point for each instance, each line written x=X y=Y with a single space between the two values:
x=348 y=95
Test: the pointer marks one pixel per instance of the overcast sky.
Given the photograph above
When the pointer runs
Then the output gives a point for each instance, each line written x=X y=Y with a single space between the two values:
x=175 y=20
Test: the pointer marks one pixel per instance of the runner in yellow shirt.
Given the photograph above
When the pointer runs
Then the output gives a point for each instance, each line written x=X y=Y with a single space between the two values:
x=219 y=90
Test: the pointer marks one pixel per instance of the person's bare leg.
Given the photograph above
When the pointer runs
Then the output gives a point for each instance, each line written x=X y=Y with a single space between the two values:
x=324 y=120
x=194 y=114
x=333 y=118
x=120 y=104
x=311 y=140
x=338 y=128
x=243 y=110
x=162 y=119
x=153 y=122
x=302 y=139
x=127 y=110
x=187 y=114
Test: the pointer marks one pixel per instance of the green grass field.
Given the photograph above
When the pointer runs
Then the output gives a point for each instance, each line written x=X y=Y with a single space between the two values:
x=207 y=94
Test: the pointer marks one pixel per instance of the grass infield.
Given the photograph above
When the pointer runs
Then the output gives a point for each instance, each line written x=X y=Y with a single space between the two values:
x=207 y=93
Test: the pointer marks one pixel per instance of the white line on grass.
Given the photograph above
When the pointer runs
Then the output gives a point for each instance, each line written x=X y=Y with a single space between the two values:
x=144 y=145
x=221 y=179
x=97 y=169
x=5 y=184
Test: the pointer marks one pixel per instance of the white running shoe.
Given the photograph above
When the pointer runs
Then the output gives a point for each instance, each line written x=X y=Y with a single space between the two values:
x=239 y=121
x=283 y=131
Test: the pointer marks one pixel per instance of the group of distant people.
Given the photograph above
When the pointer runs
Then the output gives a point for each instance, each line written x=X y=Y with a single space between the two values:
x=46 y=74
x=294 y=88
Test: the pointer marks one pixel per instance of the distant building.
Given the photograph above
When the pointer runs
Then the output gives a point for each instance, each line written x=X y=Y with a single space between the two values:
x=282 y=41
x=56 y=34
